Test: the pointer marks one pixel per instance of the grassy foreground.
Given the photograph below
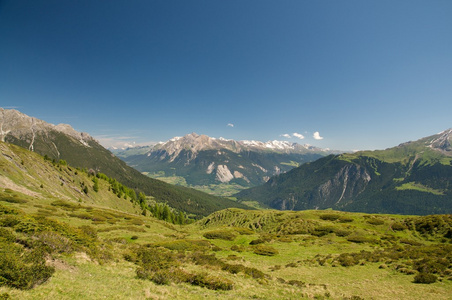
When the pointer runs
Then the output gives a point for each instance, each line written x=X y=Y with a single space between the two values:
x=81 y=251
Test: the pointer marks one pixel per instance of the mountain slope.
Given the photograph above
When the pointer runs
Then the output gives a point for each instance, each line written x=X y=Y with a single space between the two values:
x=30 y=175
x=83 y=151
x=412 y=178
x=201 y=160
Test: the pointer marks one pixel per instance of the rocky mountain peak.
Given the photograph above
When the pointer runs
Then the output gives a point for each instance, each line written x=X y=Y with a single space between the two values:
x=442 y=142
x=19 y=125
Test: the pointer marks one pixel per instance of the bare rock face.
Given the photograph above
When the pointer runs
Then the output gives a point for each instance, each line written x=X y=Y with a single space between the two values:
x=442 y=142
x=223 y=174
x=349 y=182
x=20 y=126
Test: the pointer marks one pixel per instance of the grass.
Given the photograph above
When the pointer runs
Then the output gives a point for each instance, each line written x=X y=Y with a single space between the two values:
x=292 y=271
x=419 y=187
x=261 y=254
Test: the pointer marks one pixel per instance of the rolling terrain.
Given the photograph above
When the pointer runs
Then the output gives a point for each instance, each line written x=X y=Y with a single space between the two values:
x=82 y=151
x=412 y=178
x=63 y=238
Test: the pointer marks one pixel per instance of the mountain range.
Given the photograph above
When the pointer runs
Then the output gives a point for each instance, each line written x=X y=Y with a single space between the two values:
x=62 y=142
x=412 y=178
x=200 y=160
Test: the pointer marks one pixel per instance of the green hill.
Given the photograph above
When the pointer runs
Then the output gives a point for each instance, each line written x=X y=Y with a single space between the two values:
x=412 y=178
x=82 y=151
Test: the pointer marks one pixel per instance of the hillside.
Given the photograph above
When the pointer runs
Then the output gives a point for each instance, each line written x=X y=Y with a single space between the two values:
x=412 y=178
x=67 y=250
x=82 y=151
x=219 y=166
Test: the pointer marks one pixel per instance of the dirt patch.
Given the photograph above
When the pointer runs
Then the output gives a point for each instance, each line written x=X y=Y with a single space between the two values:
x=9 y=184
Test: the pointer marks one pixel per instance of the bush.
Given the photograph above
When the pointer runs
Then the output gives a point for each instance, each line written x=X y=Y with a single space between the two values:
x=360 y=239
x=425 y=278
x=237 y=248
x=22 y=270
x=397 y=226
x=220 y=234
x=347 y=260
x=255 y=273
x=257 y=242
x=233 y=269
x=243 y=231
x=345 y=219
x=211 y=283
x=265 y=250
x=330 y=217
x=6 y=235
x=375 y=221
x=55 y=242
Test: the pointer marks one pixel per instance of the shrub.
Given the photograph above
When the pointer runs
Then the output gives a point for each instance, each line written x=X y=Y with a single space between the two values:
x=345 y=219
x=425 y=278
x=237 y=248
x=243 y=231
x=206 y=259
x=330 y=217
x=6 y=235
x=255 y=273
x=360 y=239
x=65 y=204
x=55 y=242
x=233 y=269
x=186 y=245
x=265 y=250
x=220 y=234
x=211 y=283
x=23 y=270
x=397 y=226
x=13 y=199
x=347 y=260
x=375 y=221
x=257 y=242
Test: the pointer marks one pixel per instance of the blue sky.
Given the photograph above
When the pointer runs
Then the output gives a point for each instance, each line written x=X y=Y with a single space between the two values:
x=362 y=74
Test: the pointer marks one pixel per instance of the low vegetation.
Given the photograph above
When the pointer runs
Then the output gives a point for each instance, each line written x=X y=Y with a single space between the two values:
x=54 y=245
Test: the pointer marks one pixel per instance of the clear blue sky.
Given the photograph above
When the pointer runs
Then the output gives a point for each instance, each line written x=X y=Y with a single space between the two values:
x=364 y=74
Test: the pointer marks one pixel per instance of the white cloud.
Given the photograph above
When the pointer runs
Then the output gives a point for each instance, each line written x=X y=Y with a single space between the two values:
x=120 y=142
x=286 y=135
x=317 y=136
x=298 y=135
x=230 y=125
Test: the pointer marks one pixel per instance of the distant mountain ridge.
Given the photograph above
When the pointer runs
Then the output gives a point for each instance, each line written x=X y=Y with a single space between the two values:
x=83 y=151
x=412 y=178
x=202 y=160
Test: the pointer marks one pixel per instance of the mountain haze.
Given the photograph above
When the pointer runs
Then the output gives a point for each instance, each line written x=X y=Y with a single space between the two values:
x=412 y=178
x=83 y=151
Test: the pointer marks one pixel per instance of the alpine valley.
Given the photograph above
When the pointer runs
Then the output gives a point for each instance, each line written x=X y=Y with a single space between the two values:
x=62 y=142
x=76 y=222
x=412 y=178
x=219 y=166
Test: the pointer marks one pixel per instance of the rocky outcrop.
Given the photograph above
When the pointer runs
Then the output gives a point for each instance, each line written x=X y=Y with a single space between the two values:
x=348 y=183
x=223 y=174
x=16 y=125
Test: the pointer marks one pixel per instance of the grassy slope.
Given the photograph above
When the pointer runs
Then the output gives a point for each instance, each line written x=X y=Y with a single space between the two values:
x=308 y=244
x=297 y=271
x=100 y=159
